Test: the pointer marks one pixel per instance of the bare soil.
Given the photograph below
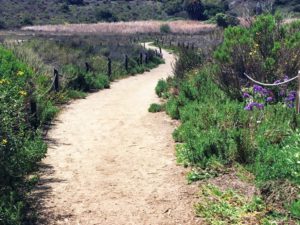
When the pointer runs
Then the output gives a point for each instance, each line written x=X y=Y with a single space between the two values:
x=110 y=161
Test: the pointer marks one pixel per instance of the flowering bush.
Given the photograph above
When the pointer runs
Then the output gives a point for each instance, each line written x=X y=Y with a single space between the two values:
x=266 y=51
x=20 y=145
x=217 y=127
x=257 y=97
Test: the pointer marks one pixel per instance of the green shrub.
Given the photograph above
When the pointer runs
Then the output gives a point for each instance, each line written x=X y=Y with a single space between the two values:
x=228 y=207
x=155 y=108
x=187 y=60
x=212 y=8
x=2 y=25
x=21 y=146
x=47 y=111
x=295 y=209
x=173 y=7
x=74 y=94
x=172 y=108
x=215 y=126
x=161 y=88
x=224 y=20
x=165 y=29
x=106 y=15
x=267 y=51
x=195 y=9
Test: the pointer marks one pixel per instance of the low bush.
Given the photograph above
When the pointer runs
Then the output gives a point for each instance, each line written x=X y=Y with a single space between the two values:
x=229 y=207
x=267 y=51
x=224 y=20
x=186 y=61
x=255 y=126
x=161 y=88
x=155 y=108
x=165 y=29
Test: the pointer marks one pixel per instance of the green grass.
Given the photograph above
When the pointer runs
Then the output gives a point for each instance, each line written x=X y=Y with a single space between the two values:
x=228 y=207
x=155 y=108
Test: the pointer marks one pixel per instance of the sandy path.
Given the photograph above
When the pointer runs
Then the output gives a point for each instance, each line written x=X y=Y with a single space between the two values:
x=111 y=162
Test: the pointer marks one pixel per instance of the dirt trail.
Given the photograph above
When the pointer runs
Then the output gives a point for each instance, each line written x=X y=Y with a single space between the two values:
x=111 y=162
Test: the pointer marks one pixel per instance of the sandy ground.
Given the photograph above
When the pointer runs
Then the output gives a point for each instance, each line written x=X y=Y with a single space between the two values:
x=111 y=162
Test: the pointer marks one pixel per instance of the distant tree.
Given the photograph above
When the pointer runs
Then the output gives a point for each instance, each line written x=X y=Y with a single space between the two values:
x=2 y=25
x=195 y=9
x=26 y=21
x=165 y=28
x=224 y=20
x=173 y=7
x=76 y=2
x=65 y=8
x=106 y=15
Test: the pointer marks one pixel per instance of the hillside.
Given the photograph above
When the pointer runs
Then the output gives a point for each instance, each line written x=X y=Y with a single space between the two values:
x=17 y=13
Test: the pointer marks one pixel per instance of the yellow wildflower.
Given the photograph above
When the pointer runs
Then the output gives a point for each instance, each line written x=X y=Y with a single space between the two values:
x=23 y=93
x=20 y=73
x=4 y=142
x=2 y=81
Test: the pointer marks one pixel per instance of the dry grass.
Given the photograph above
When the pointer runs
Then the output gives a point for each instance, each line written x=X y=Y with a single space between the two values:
x=186 y=27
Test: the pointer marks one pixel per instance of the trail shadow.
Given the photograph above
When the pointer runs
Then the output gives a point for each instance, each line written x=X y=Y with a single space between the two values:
x=40 y=213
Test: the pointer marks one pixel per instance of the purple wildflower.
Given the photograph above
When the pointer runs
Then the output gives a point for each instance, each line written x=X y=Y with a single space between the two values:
x=260 y=106
x=251 y=106
x=290 y=98
x=264 y=92
x=277 y=82
x=246 y=95
x=285 y=78
x=282 y=93
x=294 y=93
x=257 y=88
x=269 y=99
x=248 y=108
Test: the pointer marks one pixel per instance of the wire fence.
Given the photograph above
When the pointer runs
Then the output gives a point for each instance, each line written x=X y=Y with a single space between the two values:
x=281 y=83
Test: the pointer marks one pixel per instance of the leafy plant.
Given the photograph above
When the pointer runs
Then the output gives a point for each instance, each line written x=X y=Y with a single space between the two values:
x=267 y=51
x=161 y=88
x=195 y=9
x=165 y=28
x=187 y=60
x=224 y=20
x=228 y=207
x=155 y=108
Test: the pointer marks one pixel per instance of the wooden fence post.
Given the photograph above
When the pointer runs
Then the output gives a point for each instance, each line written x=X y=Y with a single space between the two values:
x=56 y=80
x=146 y=58
x=298 y=95
x=109 y=73
x=126 y=62
x=141 y=58
x=87 y=67
x=33 y=111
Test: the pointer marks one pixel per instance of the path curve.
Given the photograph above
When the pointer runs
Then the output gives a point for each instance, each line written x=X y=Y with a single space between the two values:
x=110 y=162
